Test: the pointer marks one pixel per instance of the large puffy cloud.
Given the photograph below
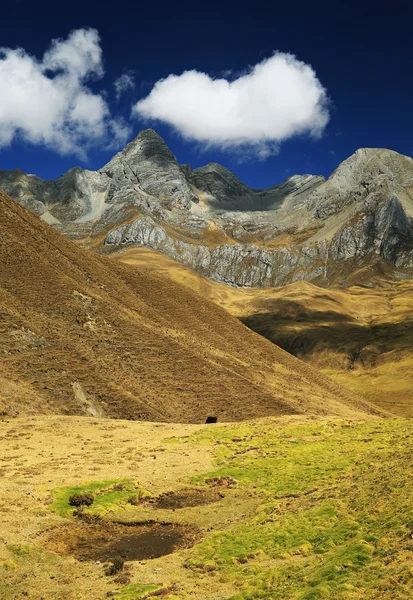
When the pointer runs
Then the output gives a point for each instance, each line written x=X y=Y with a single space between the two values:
x=277 y=99
x=50 y=102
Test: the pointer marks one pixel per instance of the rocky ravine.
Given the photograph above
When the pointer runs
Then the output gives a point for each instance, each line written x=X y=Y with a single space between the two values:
x=348 y=229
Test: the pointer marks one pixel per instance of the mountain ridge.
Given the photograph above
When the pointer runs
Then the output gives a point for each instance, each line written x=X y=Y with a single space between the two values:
x=306 y=228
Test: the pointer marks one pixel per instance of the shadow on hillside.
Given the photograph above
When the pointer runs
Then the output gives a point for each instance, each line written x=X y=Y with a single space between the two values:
x=302 y=332
x=249 y=203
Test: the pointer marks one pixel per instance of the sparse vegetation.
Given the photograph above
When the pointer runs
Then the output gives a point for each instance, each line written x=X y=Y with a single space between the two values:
x=81 y=499
x=313 y=509
x=135 y=591
x=359 y=336
x=116 y=565
x=183 y=357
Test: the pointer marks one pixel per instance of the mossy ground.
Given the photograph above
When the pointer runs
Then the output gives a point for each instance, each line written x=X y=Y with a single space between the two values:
x=337 y=514
x=136 y=591
x=107 y=495
x=322 y=509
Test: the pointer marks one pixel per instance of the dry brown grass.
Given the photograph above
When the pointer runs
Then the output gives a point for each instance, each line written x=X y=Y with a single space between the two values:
x=39 y=454
x=361 y=337
x=85 y=334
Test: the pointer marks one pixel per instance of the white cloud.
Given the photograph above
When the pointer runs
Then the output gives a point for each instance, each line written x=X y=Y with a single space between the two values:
x=124 y=83
x=49 y=101
x=275 y=100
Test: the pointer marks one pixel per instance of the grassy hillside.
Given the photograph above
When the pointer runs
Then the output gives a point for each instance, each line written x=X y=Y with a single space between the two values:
x=361 y=337
x=84 y=334
x=288 y=508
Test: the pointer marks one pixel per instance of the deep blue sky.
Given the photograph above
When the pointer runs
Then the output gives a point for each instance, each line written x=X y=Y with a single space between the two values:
x=362 y=53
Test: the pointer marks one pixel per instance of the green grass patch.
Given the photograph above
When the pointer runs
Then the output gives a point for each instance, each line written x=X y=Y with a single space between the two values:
x=336 y=519
x=107 y=495
x=21 y=549
x=134 y=591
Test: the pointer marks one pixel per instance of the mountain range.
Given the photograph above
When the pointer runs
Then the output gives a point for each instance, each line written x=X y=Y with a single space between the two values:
x=351 y=228
x=114 y=355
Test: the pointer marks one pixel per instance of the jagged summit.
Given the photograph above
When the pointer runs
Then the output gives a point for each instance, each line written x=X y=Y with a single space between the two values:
x=147 y=144
x=226 y=191
x=325 y=231
x=221 y=186
x=369 y=164
x=367 y=172
x=149 y=165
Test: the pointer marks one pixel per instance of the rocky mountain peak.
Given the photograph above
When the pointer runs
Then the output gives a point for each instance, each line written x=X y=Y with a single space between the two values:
x=221 y=185
x=146 y=146
x=146 y=164
x=368 y=174
x=149 y=134
x=368 y=164
x=303 y=228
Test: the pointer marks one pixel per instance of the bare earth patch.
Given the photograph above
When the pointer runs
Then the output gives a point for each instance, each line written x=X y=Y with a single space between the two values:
x=104 y=541
x=186 y=498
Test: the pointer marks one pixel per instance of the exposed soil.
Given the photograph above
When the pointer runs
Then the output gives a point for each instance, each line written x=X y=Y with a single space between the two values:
x=223 y=482
x=187 y=498
x=105 y=541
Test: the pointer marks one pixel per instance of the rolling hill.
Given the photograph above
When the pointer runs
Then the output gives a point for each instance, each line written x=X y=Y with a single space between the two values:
x=83 y=334
x=359 y=336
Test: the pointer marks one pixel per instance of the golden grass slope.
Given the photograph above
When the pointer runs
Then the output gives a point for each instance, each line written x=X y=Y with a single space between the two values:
x=84 y=334
x=361 y=337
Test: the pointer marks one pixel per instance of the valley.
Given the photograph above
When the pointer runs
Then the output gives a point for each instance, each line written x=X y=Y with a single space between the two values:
x=142 y=300
x=359 y=336
x=83 y=334
x=206 y=301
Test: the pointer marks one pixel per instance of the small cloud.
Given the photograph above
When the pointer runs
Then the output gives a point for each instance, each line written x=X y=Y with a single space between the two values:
x=124 y=83
x=227 y=74
x=275 y=100
x=332 y=152
x=49 y=102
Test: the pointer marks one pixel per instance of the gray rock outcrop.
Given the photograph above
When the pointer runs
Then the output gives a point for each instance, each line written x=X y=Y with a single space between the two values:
x=305 y=228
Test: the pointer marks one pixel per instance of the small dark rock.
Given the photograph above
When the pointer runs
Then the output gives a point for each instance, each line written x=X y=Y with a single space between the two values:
x=116 y=565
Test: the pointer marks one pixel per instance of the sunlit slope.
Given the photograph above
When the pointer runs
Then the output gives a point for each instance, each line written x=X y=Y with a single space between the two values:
x=361 y=337
x=84 y=334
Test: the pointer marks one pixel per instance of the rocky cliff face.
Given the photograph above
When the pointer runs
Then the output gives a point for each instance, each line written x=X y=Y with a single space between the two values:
x=347 y=229
x=147 y=165
x=225 y=191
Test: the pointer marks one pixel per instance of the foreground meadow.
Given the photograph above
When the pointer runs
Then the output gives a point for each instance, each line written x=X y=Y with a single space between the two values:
x=279 y=508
